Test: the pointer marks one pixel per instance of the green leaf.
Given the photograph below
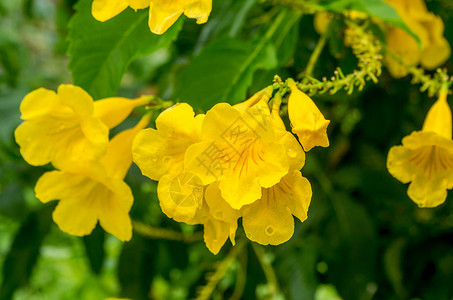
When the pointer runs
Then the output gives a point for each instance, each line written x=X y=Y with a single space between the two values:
x=100 y=52
x=135 y=268
x=24 y=251
x=375 y=8
x=94 y=247
x=223 y=71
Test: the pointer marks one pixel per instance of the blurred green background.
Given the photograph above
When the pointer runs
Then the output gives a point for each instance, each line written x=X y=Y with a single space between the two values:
x=364 y=238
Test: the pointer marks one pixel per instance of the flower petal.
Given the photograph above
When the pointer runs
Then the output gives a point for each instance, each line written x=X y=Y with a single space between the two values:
x=199 y=10
x=113 y=111
x=114 y=210
x=104 y=10
x=162 y=16
x=266 y=221
x=427 y=193
x=215 y=234
x=219 y=208
x=38 y=103
x=180 y=196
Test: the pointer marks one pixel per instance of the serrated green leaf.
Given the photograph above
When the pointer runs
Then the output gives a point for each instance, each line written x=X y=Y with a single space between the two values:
x=100 y=52
x=223 y=71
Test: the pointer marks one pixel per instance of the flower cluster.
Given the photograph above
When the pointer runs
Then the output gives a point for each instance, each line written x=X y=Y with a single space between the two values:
x=434 y=51
x=162 y=13
x=235 y=161
x=426 y=157
x=429 y=28
x=71 y=131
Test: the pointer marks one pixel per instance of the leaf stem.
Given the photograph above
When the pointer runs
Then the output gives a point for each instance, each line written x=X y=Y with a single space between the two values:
x=166 y=234
x=267 y=269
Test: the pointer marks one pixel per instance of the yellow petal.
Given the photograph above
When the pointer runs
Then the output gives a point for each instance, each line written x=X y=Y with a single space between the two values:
x=266 y=221
x=215 y=234
x=405 y=47
x=219 y=208
x=138 y=4
x=113 y=111
x=294 y=152
x=427 y=193
x=118 y=158
x=321 y=21
x=77 y=99
x=199 y=10
x=264 y=94
x=437 y=51
x=36 y=147
x=55 y=184
x=38 y=103
x=308 y=122
x=438 y=119
x=180 y=196
x=162 y=16
x=114 y=210
x=104 y=10
x=294 y=191
x=161 y=151
x=396 y=163
x=275 y=163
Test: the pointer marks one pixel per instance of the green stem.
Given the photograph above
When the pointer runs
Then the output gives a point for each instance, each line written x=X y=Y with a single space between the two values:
x=166 y=234
x=316 y=53
x=213 y=279
x=267 y=269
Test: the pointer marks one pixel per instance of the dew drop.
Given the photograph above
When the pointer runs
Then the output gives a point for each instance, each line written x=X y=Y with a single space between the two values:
x=249 y=235
x=270 y=230
x=166 y=159
x=218 y=215
x=291 y=153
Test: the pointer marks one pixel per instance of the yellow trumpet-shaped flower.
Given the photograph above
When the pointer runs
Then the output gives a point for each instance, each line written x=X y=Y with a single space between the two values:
x=94 y=192
x=426 y=157
x=240 y=150
x=161 y=151
x=306 y=119
x=429 y=28
x=59 y=126
x=162 y=13
x=113 y=111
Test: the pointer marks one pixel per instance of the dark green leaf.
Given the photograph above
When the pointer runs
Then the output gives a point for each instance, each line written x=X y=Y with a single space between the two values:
x=223 y=71
x=24 y=251
x=101 y=51
x=94 y=247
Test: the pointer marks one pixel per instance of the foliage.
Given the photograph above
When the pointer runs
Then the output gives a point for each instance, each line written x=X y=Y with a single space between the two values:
x=363 y=239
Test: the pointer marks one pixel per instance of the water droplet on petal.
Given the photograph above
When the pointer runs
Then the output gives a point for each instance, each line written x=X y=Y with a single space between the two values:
x=166 y=159
x=291 y=153
x=270 y=230
x=249 y=235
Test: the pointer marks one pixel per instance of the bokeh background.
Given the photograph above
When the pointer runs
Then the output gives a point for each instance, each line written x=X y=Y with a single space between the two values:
x=364 y=238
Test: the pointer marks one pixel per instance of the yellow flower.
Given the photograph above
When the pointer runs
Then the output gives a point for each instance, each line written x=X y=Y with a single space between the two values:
x=95 y=191
x=240 y=150
x=162 y=13
x=426 y=157
x=161 y=151
x=307 y=121
x=113 y=111
x=430 y=29
x=60 y=126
